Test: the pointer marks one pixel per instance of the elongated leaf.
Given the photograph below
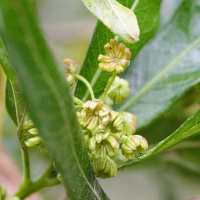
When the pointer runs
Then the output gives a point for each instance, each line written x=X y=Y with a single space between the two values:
x=166 y=68
x=10 y=102
x=5 y=63
x=116 y=17
x=147 y=13
x=48 y=98
x=190 y=128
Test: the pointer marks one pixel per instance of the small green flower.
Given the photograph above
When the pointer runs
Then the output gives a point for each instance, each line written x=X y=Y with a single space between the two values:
x=34 y=141
x=101 y=146
x=72 y=66
x=94 y=115
x=116 y=125
x=119 y=90
x=105 y=168
x=131 y=121
x=117 y=58
x=133 y=143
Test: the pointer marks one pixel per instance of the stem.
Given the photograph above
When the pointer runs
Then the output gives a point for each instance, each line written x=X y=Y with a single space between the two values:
x=43 y=182
x=159 y=75
x=110 y=82
x=77 y=101
x=80 y=78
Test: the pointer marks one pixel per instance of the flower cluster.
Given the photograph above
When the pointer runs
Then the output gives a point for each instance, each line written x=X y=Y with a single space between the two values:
x=107 y=133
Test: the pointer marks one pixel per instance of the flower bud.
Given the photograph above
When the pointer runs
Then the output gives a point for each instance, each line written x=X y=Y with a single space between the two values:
x=117 y=58
x=72 y=66
x=33 y=131
x=94 y=115
x=33 y=141
x=28 y=125
x=119 y=90
x=131 y=121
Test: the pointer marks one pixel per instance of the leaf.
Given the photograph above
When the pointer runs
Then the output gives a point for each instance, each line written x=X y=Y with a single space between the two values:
x=48 y=98
x=116 y=17
x=167 y=67
x=5 y=63
x=147 y=13
x=10 y=102
x=190 y=128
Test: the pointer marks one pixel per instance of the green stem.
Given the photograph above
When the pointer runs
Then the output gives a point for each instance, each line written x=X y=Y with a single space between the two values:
x=110 y=82
x=80 y=78
x=159 y=76
x=77 y=101
x=43 y=182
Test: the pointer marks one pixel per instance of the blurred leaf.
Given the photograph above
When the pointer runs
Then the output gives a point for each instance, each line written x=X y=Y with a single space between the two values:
x=116 y=17
x=48 y=98
x=10 y=102
x=190 y=128
x=147 y=13
x=167 y=67
x=5 y=63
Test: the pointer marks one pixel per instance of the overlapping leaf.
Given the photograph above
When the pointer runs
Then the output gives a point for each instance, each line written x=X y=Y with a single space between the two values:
x=116 y=17
x=48 y=98
x=190 y=128
x=166 y=68
x=147 y=13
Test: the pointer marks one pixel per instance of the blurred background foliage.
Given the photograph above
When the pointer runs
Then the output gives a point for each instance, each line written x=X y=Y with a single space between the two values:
x=174 y=174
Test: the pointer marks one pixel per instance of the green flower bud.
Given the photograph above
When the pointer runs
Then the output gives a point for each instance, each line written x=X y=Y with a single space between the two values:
x=33 y=131
x=28 y=125
x=71 y=80
x=33 y=141
x=117 y=58
x=107 y=146
x=72 y=66
x=119 y=90
x=143 y=146
x=94 y=115
x=131 y=121
x=105 y=168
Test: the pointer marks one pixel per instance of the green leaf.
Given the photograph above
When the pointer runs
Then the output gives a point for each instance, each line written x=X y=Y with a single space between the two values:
x=10 y=102
x=48 y=98
x=147 y=13
x=167 y=67
x=5 y=63
x=116 y=17
x=190 y=128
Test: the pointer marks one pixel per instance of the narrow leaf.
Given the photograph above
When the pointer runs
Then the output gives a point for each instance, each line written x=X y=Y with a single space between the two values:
x=190 y=128
x=5 y=63
x=167 y=67
x=48 y=98
x=116 y=17
x=147 y=13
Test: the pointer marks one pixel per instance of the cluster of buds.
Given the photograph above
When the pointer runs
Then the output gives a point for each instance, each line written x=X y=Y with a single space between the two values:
x=31 y=132
x=106 y=131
